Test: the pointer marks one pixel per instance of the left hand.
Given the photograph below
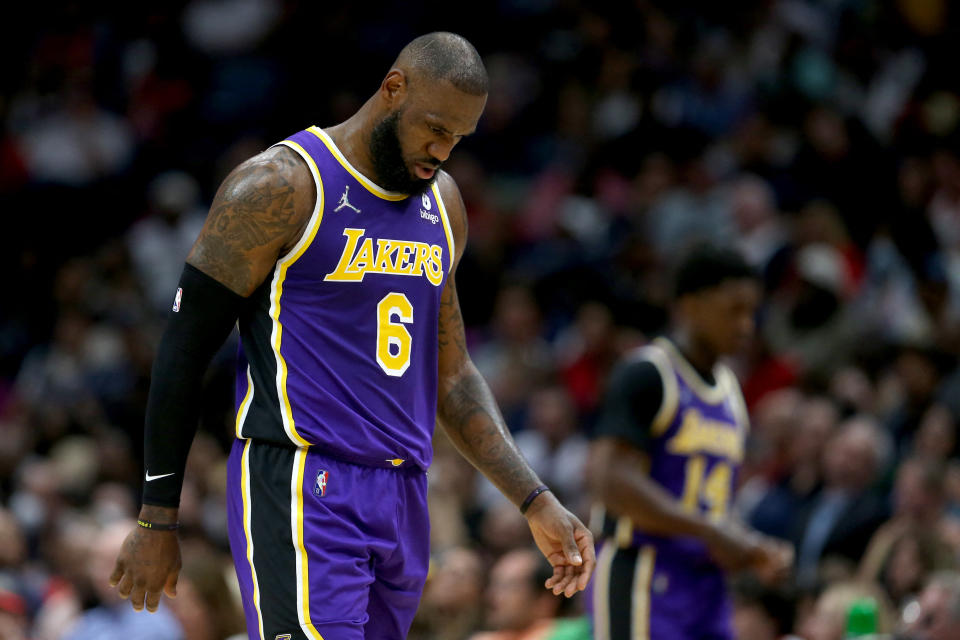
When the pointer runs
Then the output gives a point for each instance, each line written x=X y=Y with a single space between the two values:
x=565 y=542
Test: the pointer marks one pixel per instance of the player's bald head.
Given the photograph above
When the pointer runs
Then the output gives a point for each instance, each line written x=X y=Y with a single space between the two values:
x=442 y=55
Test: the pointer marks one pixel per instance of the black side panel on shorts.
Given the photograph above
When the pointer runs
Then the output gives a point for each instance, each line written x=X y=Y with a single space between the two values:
x=274 y=558
x=621 y=593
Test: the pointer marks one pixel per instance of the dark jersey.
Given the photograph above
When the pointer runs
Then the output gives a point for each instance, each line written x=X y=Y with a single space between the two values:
x=692 y=433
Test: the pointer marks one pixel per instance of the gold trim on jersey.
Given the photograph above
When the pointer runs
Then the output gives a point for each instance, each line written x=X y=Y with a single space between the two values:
x=276 y=293
x=247 y=530
x=244 y=405
x=738 y=404
x=601 y=594
x=447 y=229
x=623 y=534
x=642 y=579
x=655 y=355
x=296 y=524
x=711 y=394
x=367 y=183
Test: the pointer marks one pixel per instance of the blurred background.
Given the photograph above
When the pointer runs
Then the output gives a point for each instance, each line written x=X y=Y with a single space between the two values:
x=822 y=138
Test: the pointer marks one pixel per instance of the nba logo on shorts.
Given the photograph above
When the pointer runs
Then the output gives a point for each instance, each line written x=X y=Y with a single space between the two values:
x=320 y=488
x=283 y=636
x=176 y=300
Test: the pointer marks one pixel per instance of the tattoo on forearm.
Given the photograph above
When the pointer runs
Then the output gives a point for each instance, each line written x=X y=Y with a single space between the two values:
x=451 y=331
x=473 y=422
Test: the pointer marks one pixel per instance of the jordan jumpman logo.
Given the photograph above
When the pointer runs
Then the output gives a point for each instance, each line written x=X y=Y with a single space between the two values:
x=344 y=202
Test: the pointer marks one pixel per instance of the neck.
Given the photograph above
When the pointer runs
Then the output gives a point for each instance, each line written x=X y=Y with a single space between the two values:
x=352 y=137
x=696 y=352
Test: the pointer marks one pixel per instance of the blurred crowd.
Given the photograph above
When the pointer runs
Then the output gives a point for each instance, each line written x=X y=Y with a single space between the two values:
x=820 y=137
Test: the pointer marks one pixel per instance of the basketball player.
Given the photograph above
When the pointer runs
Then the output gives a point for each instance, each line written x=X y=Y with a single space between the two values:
x=335 y=252
x=670 y=438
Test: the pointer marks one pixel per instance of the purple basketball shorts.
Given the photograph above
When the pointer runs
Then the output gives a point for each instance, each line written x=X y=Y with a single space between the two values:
x=325 y=549
x=640 y=594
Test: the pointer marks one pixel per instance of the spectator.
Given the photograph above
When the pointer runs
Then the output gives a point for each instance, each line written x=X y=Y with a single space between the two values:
x=936 y=615
x=112 y=618
x=517 y=607
x=814 y=423
x=845 y=511
x=160 y=242
x=828 y=620
x=451 y=605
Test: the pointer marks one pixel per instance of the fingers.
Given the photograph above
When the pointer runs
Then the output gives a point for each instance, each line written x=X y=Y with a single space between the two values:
x=555 y=578
x=570 y=549
x=117 y=574
x=573 y=566
x=170 y=588
x=137 y=596
x=125 y=586
x=564 y=580
x=585 y=542
x=153 y=601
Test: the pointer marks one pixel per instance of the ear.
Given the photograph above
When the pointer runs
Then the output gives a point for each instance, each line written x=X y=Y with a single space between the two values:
x=393 y=89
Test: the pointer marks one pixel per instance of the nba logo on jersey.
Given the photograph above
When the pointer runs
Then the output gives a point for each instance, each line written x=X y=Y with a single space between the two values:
x=176 y=300
x=320 y=488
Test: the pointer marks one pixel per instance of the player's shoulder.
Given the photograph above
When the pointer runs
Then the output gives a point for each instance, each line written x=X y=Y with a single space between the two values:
x=651 y=356
x=456 y=210
x=277 y=167
x=275 y=187
x=641 y=368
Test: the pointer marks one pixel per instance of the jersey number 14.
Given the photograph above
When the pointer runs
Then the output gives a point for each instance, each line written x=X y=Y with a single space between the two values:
x=708 y=488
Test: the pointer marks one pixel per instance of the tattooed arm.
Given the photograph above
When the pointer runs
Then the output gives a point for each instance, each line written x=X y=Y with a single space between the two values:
x=259 y=213
x=469 y=415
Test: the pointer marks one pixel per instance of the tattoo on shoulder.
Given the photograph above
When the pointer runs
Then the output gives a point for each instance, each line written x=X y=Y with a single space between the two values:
x=254 y=209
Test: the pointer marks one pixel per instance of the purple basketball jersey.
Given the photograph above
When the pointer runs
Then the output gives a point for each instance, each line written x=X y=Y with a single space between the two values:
x=339 y=347
x=697 y=443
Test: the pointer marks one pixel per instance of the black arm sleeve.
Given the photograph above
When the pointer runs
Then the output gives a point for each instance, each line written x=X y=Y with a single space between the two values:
x=201 y=319
x=631 y=403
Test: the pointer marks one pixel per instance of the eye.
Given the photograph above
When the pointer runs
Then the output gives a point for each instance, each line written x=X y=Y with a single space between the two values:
x=436 y=130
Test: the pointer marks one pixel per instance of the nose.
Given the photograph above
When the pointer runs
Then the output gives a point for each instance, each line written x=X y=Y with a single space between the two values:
x=441 y=149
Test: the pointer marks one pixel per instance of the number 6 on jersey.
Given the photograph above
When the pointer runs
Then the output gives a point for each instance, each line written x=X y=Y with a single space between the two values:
x=393 y=339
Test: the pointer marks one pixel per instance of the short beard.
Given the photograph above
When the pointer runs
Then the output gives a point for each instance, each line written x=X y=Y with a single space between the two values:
x=388 y=164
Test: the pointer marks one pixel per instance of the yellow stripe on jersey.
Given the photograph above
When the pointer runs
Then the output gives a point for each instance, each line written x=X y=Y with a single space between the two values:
x=642 y=577
x=276 y=293
x=368 y=184
x=244 y=405
x=623 y=534
x=446 y=225
x=601 y=594
x=296 y=524
x=245 y=495
x=714 y=394
x=671 y=395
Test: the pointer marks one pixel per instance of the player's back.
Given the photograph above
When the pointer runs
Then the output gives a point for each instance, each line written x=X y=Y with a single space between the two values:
x=339 y=346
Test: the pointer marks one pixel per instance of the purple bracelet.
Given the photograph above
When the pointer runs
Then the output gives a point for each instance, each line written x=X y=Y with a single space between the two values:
x=532 y=497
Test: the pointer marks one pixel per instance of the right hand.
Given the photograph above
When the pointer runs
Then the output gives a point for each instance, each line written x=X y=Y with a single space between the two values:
x=148 y=564
x=775 y=560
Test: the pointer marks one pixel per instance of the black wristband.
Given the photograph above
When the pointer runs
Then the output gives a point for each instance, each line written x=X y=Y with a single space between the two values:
x=156 y=526
x=533 y=496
